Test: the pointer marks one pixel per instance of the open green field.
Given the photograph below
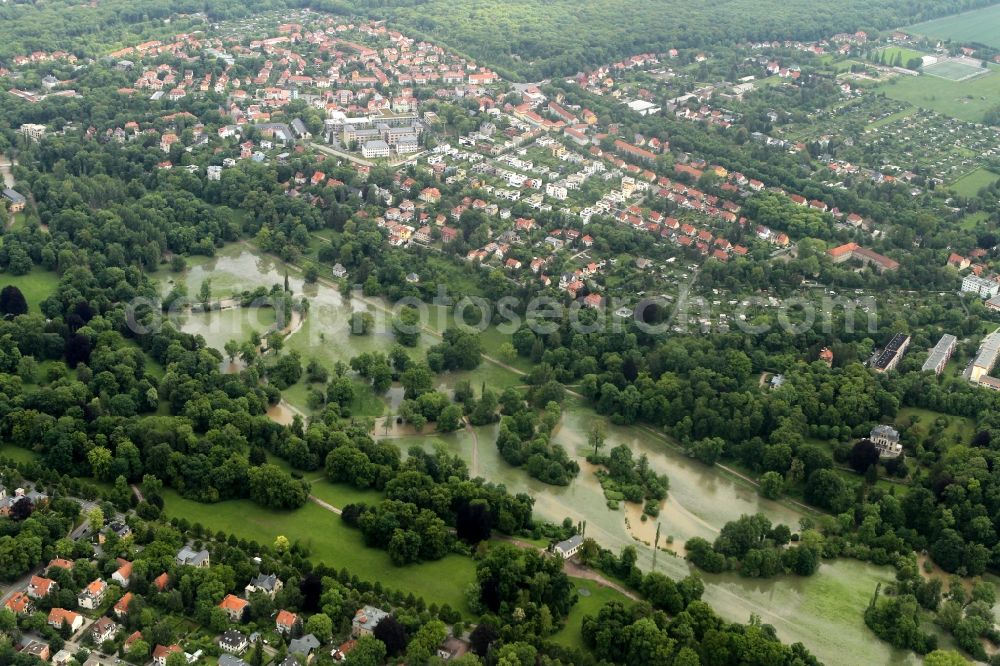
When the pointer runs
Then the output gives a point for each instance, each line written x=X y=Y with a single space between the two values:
x=972 y=220
x=965 y=100
x=37 y=285
x=341 y=494
x=17 y=454
x=970 y=184
x=980 y=26
x=332 y=542
x=591 y=597
x=905 y=54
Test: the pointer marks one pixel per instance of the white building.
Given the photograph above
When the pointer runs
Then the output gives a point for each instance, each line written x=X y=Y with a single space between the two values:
x=570 y=547
x=987 y=357
x=938 y=357
x=982 y=287
x=407 y=144
x=214 y=173
x=886 y=440
x=365 y=620
x=556 y=191
x=33 y=131
x=377 y=148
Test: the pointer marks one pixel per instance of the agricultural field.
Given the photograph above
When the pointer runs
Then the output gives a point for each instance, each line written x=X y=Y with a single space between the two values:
x=980 y=26
x=965 y=100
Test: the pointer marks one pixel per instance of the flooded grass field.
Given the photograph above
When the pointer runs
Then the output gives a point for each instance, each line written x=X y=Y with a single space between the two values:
x=823 y=611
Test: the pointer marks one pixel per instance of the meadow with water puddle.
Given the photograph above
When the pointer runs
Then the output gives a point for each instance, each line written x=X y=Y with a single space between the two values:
x=823 y=611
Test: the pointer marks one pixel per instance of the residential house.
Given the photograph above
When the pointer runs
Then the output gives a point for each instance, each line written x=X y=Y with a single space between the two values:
x=20 y=604
x=60 y=616
x=104 y=629
x=570 y=547
x=60 y=563
x=124 y=573
x=365 y=620
x=92 y=596
x=234 y=642
x=430 y=195
x=226 y=659
x=826 y=355
x=269 y=585
x=234 y=607
x=121 y=606
x=36 y=649
x=133 y=637
x=304 y=646
x=63 y=658
x=168 y=140
x=958 y=261
x=162 y=581
x=17 y=200
x=161 y=652
x=39 y=587
x=285 y=622
x=186 y=556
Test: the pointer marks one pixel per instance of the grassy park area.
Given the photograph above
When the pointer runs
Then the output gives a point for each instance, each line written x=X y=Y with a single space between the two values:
x=591 y=597
x=332 y=542
x=36 y=285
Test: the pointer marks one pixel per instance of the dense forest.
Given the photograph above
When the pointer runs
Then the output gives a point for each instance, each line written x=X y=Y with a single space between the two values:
x=535 y=39
x=526 y=40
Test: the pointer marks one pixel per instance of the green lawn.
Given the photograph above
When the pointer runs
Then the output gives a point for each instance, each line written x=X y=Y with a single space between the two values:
x=330 y=541
x=37 y=285
x=978 y=26
x=20 y=221
x=905 y=54
x=17 y=454
x=591 y=597
x=960 y=428
x=365 y=402
x=970 y=184
x=972 y=220
x=965 y=100
x=341 y=494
